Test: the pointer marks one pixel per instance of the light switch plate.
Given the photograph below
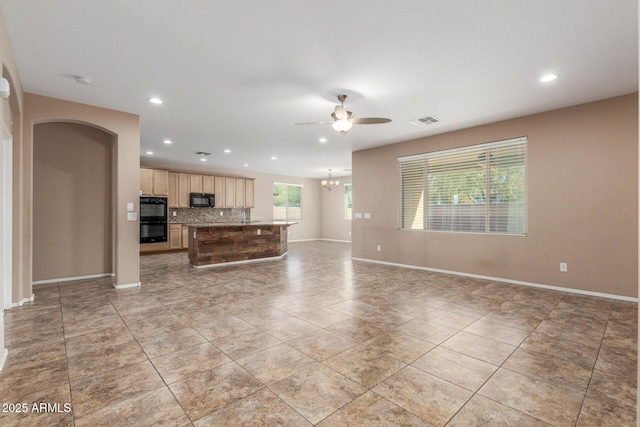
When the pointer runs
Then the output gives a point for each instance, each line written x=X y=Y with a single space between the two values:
x=129 y=207
x=367 y=215
x=358 y=215
x=132 y=216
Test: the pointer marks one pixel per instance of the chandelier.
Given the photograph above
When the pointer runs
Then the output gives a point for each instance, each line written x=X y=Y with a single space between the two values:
x=330 y=183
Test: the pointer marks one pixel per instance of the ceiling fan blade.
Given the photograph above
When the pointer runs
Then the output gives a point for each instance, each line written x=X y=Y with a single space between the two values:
x=369 y=120
x=314 y=123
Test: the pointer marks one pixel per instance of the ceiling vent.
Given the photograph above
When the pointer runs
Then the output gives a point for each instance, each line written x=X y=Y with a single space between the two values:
x=425 y=121
x=202 y=153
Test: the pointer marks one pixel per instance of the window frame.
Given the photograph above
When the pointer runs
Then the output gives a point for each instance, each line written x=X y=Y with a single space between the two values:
x=413 y=183
x=287 y=207
x=348 y=214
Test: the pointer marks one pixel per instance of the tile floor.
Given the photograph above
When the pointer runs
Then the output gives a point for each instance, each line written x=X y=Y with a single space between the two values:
x=317 y=339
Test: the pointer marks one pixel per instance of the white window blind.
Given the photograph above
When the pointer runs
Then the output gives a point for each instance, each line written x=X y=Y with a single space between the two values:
x=478 y=189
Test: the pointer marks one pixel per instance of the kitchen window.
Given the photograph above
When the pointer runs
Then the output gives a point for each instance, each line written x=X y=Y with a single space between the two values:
x=476 y=189
x=287 y=201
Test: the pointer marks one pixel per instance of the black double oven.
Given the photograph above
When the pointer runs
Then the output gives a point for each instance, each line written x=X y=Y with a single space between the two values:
x=153 y=219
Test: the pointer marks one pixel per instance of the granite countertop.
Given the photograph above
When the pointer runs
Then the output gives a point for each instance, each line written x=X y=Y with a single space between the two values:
x=235 y=224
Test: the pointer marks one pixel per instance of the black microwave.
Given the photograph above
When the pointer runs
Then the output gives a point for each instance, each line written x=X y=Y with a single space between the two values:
x=202 y=200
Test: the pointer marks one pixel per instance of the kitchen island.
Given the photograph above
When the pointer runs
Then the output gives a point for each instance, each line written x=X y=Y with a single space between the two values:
x=223 y=243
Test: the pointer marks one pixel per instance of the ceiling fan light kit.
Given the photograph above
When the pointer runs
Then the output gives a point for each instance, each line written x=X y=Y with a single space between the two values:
x=343 y=119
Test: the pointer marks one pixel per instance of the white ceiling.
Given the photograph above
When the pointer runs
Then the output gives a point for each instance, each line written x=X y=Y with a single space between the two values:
x=239 y=74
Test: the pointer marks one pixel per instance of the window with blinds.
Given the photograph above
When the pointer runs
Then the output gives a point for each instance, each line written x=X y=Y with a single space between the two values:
x=478 y=189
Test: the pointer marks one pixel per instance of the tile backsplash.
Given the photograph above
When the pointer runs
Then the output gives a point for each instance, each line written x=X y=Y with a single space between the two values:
x=207 y=215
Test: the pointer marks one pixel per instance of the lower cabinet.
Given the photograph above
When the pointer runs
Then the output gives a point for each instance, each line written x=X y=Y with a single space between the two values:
x=175 y=236
x=178 y=236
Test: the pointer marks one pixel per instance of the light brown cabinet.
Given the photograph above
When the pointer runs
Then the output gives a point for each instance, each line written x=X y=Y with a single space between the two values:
x=230 y=192
x=178 y=190
x=183 y=190
x=154 y=182
x=178 y=236
x=249 y=192
x=208 y=184
x=185 y=237
x=195 y=183
x=175 y=236
x=219 y=192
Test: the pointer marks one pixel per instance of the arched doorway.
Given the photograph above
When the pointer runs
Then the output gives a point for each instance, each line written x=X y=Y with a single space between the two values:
x=73 y=202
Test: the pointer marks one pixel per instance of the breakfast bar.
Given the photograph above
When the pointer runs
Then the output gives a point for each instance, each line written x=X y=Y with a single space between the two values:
x=218 y=244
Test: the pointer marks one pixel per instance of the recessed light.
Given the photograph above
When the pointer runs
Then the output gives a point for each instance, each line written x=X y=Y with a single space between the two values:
x=323 y=140
x=227 y=150
x=203 y=160
x=246 y=164
x=155 y=100
x=548 y=78
x=150 y=153
x=167 y=141
x=274 y=158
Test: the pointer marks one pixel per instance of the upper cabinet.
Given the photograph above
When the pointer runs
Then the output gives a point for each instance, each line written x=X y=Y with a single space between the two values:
x=230 y=192
x=154 y=182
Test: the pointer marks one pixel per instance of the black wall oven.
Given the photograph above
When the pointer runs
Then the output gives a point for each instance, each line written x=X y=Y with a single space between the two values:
x=153 y=219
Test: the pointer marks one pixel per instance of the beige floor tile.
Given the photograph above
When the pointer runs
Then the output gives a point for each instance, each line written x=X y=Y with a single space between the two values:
x=573 y=350
x=399 y=346
x=321 y=344
x=552 y=404
x=102 y=390
x=183 y=363
x=169 y=342
x=259 y=409
x=618 y=391
x=155 y=325
x=480 y=411
x=102 y=339
x=221 y=327
x=208 y=391
x=245 y=343
x=372 y=410
x=357 y=329
x=323 y=317
x=597 y=413
x=16 y=384
x=461 y=370
x=364 y=365
x=431 y=398
x=497 y=332
x=287 y=328
x=317 y=392
x=427 y=331
x=449 y=318
x=157 y=407
x=482 y=348
x=550 y=369
x=57 y=415
x=275 y=363
x=102 y=360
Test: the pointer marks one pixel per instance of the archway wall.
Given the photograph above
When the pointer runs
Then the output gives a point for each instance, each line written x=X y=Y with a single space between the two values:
x=72 y=201
x=125 y=129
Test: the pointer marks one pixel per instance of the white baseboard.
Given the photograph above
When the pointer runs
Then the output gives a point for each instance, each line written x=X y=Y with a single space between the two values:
x=303 y=240
x=335 y=240
x=128 y=285
x=23 y=301
x=68 y=279
x=3 y=358
x=499 y=279
x=249 y=261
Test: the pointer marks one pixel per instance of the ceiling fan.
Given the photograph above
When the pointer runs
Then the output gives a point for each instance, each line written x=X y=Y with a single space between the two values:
x=343 y=120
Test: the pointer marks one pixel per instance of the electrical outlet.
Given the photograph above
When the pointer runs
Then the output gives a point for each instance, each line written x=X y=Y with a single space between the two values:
x=379 y=248
x=259 y=232
x=221 y=213
x=563 y=267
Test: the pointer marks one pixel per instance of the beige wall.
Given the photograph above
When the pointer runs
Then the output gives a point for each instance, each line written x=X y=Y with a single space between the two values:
x=125 y=130
x=333 y=225
x=307 y=228
x=72 y=235
x=582 y=176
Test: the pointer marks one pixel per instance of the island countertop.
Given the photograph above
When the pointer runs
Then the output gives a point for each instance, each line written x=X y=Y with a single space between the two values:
x=235 y=224
x=223 y=243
